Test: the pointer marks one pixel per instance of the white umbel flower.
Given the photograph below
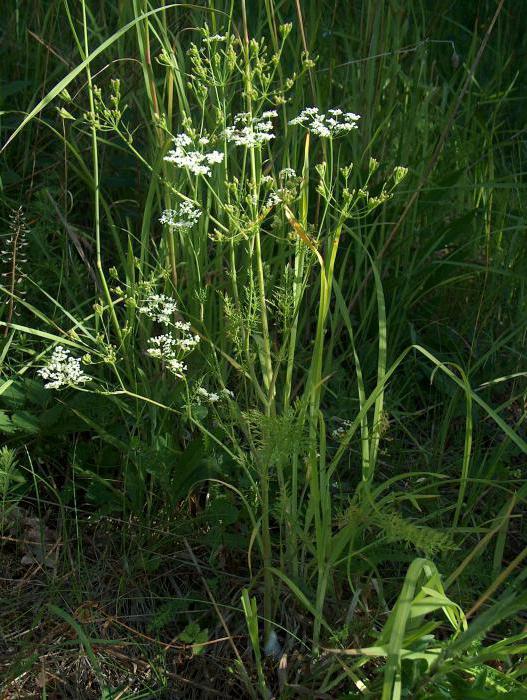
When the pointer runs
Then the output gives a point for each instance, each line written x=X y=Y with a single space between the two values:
x=183 y=217
x=174 y=345
x=251 y=131
x=164 y=347
x=197 y=162
x=177 y=368
x=286 y=173
x=161 y=346
x=159 y=307
x=211 y=397
x=63 y=370
x=334 y=123
x=188 y=343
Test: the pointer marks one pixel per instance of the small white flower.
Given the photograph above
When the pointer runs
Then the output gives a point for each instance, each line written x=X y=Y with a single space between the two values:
x=63 y=370
x=161 y=346
x=211 y=397
x=182 y=140
x=304 y=115
x=170 y=347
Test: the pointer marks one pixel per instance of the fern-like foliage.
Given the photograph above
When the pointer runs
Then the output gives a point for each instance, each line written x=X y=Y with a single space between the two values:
x=427 y=540
x=276 y=437
x=394 y=527
x=13 y=260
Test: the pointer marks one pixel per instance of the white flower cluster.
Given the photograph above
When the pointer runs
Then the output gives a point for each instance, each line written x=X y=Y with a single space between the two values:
x=197 y=162
x=275 y=198
x=334 y=123
x=159 y=308
x=341 y=431
x=169 y=348
x=251 y=131
x=184 y=217
x=287 y=173
x=164 y=347
x=213 y=397
x=63 y=370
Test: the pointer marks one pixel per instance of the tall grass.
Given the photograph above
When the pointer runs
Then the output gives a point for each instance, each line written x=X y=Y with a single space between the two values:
x=310 y=379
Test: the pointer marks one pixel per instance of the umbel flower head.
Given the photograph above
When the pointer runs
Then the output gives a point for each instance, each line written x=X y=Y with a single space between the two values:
x=334 y=123
x=212 y=396
x=174 y=345
x=197 y=162
x=183 y=217
x=63 y=370
x=159 y=308
x=251 y=131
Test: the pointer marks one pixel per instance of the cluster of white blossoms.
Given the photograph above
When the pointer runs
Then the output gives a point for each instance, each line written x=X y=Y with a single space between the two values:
x=341 y=431
x=277 y=197
x=164 y=347
x=286 y=174
x=159 y=308
x=334 y=123
x=183 y=217
x=171 y=347
x=197 y=162
x=212 y=396
x=63 y=370
x=251 y=131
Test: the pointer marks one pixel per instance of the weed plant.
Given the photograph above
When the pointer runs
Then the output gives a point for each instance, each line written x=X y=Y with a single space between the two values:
x=263 y=350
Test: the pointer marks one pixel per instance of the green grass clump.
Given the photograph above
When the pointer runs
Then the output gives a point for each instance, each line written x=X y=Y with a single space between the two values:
x=262 y=383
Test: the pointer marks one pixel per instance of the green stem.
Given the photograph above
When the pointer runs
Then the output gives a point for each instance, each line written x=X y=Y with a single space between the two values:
x=95 y=155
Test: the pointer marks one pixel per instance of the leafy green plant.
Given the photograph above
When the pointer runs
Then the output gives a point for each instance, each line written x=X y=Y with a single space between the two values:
x=292 y=331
